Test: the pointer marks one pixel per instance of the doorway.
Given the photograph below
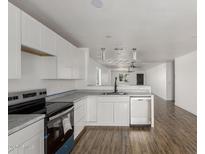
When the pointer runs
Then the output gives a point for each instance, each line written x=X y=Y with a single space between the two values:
x=140 y=79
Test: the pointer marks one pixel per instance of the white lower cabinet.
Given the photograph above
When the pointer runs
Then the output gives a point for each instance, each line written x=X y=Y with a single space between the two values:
x=92 y=109
x=79 y=116
x=113 y=110
x=105 y=113
x=121 y=113
x=29 y=140
x=33 y=145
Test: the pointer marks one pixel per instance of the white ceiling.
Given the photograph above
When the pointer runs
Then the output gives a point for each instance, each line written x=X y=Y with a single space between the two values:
x=159 y=29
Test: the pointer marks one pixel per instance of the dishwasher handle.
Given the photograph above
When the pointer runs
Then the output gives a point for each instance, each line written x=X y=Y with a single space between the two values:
x=140 y=98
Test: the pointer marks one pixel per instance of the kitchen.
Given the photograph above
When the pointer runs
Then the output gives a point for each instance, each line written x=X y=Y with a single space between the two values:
x=74 y=88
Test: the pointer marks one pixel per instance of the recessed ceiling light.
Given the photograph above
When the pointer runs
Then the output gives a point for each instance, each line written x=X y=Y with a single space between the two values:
x=108 y=36
x=97 y=3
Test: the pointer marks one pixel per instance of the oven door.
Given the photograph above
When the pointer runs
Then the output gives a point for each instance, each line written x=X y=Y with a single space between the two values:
x=60 y=128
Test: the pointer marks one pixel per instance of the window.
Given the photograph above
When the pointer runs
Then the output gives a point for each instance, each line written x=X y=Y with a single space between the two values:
x=98 y=76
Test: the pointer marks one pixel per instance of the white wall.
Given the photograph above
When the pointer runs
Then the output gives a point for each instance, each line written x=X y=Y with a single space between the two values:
x=170 y=81
x=161 y=80
x=106 y=73
x=91 y=72
x=30 y=78
x=156 y=78
x=186 y=82
x=132 y=80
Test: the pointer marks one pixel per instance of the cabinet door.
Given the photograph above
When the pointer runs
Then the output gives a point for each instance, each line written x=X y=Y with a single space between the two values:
x=121 y=113
x=105 y=113
x=91 y=109
x=74 y=61
x=80 y=113
x=29 y=140
x=35 y=145
x=63 y=58
x=14 y=42
x=80 y=59
x=48 y=41
x=31 y=31
x=79 y=116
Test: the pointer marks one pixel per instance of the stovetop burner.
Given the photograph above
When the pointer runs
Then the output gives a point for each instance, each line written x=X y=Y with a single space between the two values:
x=56 y=107
x=34 y=102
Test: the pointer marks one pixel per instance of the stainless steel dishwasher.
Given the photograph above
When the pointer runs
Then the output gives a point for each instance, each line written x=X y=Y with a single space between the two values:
x=140 y=110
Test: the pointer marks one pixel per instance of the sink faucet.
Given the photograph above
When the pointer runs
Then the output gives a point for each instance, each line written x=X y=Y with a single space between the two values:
x=115 y=86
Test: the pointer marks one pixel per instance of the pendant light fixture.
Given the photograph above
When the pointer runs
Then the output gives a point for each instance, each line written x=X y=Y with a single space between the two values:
x=134 y=54
x=103 y=54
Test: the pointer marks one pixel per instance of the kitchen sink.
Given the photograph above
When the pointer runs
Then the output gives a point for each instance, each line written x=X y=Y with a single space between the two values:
x=114 y=93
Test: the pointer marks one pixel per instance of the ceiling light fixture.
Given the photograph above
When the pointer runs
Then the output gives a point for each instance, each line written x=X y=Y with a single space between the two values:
x=97 y=3
x=134 y=54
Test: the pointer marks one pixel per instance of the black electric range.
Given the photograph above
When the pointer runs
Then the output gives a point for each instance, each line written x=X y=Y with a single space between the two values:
x=34 y=102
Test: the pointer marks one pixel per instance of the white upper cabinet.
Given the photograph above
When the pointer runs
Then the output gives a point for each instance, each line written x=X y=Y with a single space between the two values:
x=48 y=40
x=14 y=42
x=37 y=36
x=31 y=31
x=80 y=63
x=63 y=59
x=69 y=62
x=59 y=58
x=75 y=63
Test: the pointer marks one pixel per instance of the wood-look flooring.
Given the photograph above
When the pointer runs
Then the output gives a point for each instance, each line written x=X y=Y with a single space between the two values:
x=175 y=132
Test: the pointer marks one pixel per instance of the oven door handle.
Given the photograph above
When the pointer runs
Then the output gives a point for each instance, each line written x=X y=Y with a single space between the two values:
x=60 y=114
